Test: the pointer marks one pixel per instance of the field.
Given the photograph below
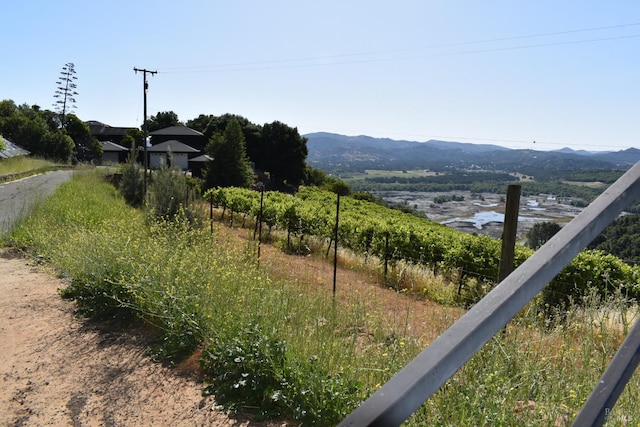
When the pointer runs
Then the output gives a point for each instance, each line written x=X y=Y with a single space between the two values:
x=373 y=173
x=273 y=338
x=23 y=166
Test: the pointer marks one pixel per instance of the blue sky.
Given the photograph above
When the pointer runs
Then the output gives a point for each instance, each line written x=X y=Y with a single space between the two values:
x=560 y=73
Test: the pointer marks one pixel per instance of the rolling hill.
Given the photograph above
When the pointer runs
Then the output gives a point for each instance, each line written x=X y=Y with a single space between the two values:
x=340 y=153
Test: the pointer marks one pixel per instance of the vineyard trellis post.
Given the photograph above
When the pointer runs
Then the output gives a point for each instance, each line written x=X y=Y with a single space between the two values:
x=260 y=219
x=386 y=258
x=335 y=244
x=211 y=211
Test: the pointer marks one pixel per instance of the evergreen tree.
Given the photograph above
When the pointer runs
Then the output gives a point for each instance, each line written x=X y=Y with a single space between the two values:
x=230 y=166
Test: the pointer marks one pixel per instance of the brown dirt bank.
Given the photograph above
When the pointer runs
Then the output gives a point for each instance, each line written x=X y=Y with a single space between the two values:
x=57 y=370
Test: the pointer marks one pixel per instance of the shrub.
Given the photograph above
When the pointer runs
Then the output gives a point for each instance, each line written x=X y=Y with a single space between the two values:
x=169 y=196
x=132 y=183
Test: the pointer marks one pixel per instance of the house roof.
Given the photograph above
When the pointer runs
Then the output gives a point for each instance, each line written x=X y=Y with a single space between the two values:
x=12 y=150
x=98 y=128
x=176 y=131
x=201 y=159
x=112 y=146
x=172 y=145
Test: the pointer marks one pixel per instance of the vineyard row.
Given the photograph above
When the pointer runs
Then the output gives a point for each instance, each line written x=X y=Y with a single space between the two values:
x=369 y=229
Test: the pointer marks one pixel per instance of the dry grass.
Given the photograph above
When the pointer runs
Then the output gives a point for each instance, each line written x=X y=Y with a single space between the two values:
x=358 y=283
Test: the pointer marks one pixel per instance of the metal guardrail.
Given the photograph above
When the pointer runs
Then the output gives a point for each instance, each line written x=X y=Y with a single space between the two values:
x=600 y=403
x=407 y=390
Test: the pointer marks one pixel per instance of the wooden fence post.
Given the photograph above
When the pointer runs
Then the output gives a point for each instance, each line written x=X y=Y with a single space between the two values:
x=335 y=245
x=211 y=211
x=507 y=254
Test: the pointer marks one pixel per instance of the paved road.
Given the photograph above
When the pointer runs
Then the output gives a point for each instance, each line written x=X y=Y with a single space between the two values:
x=18 y=197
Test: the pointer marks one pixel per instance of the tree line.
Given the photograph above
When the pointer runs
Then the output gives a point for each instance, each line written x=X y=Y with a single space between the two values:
x=47 y=134
x=242 y=152
x=238 y=147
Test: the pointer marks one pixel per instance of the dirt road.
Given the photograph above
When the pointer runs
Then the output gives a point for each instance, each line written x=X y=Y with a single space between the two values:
x=56 y=370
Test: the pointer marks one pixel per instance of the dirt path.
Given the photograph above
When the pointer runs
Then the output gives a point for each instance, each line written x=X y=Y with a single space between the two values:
x=56 y=370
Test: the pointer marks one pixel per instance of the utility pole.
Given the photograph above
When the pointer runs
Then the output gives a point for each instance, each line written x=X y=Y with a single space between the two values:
x=145 y=86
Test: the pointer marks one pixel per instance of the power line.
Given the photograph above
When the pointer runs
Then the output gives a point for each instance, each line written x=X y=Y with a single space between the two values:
x=317 y=60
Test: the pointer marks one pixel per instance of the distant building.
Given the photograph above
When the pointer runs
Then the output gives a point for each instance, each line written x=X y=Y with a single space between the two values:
x=12 y=150
x=113 y=153
x=159 y=154
x=103 y=132
x=184 y=134
x=197 y=165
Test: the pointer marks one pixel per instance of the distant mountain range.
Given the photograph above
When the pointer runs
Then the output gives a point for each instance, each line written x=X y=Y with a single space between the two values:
x=333 y=152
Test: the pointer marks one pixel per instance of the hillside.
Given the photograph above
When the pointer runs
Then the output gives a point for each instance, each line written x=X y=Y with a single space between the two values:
x=340 y=153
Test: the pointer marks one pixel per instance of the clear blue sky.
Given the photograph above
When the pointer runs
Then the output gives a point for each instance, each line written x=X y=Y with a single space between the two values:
x=561 y=73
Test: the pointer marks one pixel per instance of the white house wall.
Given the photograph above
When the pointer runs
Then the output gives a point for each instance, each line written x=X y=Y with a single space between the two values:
x=179 y=159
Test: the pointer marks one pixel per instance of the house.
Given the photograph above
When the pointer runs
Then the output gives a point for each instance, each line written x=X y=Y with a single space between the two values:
x=113 y=153
x=197 y=164
x=11 y=150
x=103 y=132
x=180 y=152
x=184 y=134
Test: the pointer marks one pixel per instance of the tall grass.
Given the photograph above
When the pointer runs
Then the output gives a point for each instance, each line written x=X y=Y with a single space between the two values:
x=272 y=347
x=21 y=164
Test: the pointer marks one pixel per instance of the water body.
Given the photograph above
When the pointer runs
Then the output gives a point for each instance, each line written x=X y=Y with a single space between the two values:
x=480 y=219
x=481 y=214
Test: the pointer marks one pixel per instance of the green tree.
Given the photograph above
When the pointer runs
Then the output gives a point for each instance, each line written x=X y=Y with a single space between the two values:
x=541 y=232
x=57 y=145
x=621 y=238
x=163 y=119
x=284 y=152
x=201 y=122
x=2 y=143
x=315 y=177
x=7 y=108
x=35 y=130
x=230 y=166
x=87 y=148
x=251 y=131
x=133 y=138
